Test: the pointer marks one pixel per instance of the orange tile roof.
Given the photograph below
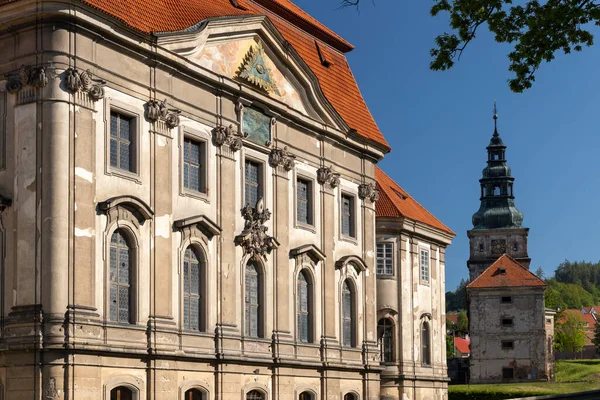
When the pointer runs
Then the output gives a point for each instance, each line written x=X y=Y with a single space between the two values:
x=452 y=317
x=336 y=81
x=462 y=345
x=506 y=272
x=395 y=202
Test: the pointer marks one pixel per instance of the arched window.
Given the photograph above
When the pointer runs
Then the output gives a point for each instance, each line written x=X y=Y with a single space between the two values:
x=254 y=395
x=120 y=278
x=194 y=394
x=306 y=396
x=304 y=308
x=253 y=301
x=426 y=343
x=193 y=291
x=348 y=331
x=350 y=396
x=121 y=393
x=385 y=333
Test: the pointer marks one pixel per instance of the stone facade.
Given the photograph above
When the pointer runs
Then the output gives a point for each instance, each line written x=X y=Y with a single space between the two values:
x=107 y=229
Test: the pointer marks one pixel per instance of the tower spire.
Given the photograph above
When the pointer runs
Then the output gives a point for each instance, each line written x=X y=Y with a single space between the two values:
x=495 y=119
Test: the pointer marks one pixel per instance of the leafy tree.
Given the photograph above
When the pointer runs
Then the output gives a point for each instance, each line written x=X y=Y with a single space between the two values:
x=570 y=332
x=596 y=339
x=462 y=323
x=449 y=346
x=539 y=273
x=457 y=300
x=535 y=30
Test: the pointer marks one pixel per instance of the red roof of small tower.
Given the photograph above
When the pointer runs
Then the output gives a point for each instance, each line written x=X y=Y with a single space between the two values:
x=506 y=272
x=395 y=202
x=462 y=345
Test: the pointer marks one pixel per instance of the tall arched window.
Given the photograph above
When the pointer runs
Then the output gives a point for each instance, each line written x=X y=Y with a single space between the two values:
x=304 y=308
x=350 y=396
x=193 y=291
x=306 y=396
x=254 y=395
x=253 y=301
x=385 y=333
x=426 y=343
x=120 y=278
x=348 y=331
x=194 y=394
x=121 y=393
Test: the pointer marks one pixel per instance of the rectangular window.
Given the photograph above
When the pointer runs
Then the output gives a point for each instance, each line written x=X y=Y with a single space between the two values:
x=194 y=165
x=348 y=217
x=122 y=142
x=385 y=258
x=506 y=299
x=508 y=373
x=304 y=199
x=548 y=321
x=507 y=322
x=425 y=265
x=253 y=190
x=508 y=345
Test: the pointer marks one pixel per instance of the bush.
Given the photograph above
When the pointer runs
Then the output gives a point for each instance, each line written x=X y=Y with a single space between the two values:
x=489 y=394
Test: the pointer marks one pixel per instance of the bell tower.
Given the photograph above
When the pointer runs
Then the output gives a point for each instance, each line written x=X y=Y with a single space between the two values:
x=497 y=225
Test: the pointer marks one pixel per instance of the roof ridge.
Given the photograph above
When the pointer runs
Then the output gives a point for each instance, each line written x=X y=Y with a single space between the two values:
x=494 y=265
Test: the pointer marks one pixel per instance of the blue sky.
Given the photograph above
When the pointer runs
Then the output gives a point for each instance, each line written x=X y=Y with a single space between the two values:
x=439 y=123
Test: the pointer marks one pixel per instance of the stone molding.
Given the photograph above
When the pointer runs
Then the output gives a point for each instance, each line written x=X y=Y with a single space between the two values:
x=36 y=77
x=83 y=81
x=160 y=111
x=368 y=191
x=326 y=175
x=283 y=158
x=120 y=208
x=197 y=226
x=225 y=135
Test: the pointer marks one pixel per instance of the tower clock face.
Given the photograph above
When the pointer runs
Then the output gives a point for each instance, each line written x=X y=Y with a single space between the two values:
x=498 y=246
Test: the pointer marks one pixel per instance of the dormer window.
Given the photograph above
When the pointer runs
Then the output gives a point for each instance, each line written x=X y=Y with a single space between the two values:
x=502 y=271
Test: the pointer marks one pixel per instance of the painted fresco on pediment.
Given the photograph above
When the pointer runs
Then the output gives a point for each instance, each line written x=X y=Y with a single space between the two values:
x=231 y=59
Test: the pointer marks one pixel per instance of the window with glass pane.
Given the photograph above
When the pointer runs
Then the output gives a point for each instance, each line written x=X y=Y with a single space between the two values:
x=347 y=215
x=306 y=396
x=386 y=338
x=350 y=396
x=252 y=183
x=122 y=151
x=252 y=301
x=385 y=258
x=194 y=394
x=193 y=295
x=303 y=308
x=347 y=315
x=194 y=164
x=424 y=265
x=254 y=395
x=304 y=201
x=120 y=278
x=121 y=393
x=425 y=344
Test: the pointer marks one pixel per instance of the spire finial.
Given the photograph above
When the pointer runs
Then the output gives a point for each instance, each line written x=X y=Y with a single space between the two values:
x=495 y=118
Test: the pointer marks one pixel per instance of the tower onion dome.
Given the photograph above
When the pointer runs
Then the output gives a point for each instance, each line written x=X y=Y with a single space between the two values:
x=497 y=210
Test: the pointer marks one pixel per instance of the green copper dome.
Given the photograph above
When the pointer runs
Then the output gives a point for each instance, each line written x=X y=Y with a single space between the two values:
x=497 y=210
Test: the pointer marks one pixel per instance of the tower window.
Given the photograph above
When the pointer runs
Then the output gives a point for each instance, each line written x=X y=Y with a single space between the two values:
x=508 y=345
x=508 y=373
x=496 y=190
x=496 y=157
x=507 y=322
x=506 y=299
x=515 y=246
x=481 y=247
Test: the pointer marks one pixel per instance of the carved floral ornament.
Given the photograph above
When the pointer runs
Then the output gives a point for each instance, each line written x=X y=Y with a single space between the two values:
x=368 y=191
x=254 y=238
x=159 y=110
x=82 y=81
x=228 y=136
x=326 y=175
x=26 y=76
x=282 y=157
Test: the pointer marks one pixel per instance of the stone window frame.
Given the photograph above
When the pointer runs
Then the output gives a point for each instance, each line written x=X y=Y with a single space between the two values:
x=264 y=390
x=135 y=384
x=389 y=318
x=426 y=323
x=311 y=283
x=507 y=345
x=311 y=201
x=422 y=248
x=262 y=161
x=353 y=393
x=262 y=298
x=353 y=287
x=193 y=384
x=353 y=236
x=200 y=251
x=394 y=244
x=131 y=240
x=352 y=268
x=137 y=118
x=314 y=393
x=204 y=138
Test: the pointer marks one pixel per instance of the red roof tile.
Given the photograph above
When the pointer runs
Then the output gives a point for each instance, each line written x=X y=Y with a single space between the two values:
x=506 y=272
x=462 y=345
x=395 y=202
x=452 y=317
x=336 y=81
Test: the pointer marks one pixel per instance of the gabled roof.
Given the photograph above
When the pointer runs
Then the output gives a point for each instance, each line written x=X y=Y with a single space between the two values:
x=506 y=272
x=296 y=26
x=453 y=317
x=395 y=202
x=462 y=345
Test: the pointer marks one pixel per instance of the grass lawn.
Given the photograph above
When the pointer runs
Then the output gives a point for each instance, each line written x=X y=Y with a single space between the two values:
x=571 y=376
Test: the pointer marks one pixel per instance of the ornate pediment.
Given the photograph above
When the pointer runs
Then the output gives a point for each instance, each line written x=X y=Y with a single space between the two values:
x=255 y=70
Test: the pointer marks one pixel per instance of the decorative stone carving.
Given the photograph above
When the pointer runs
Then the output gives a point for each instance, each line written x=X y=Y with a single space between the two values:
x=254 y=69
x=282 y=157
x=159 y=110
x=368 y=191
x=326 y=175
x=32 y=76
x=254 y=239
x=83 y=81
x=51 y=392
x=223 y=135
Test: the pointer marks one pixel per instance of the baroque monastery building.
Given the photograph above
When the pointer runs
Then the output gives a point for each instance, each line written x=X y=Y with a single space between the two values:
x=188 y=212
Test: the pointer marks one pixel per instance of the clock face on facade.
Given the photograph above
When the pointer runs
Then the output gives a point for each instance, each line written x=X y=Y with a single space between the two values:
x=498 y=246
